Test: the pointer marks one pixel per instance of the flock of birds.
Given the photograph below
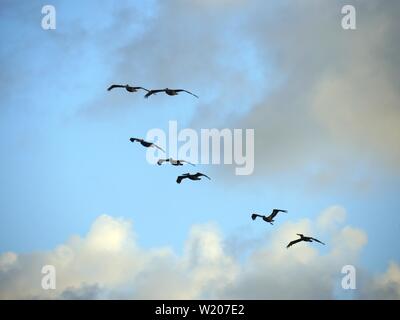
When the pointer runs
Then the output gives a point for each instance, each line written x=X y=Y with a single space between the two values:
x=170 y=92
x=197 y=176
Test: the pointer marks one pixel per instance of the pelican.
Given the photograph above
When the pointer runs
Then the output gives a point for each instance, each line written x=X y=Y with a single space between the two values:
x=196 y=176
x=269 y=218
x=127 y=87
x=146 y=143
x=173 y=162
x=303 y=238
x=170 y=92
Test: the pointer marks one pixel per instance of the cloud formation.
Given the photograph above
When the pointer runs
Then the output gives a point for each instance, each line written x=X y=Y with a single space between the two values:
x=384 y=286
x=109 y=263
x=339 y=101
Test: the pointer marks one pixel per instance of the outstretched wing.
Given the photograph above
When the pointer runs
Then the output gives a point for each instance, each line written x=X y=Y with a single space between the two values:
x=161 y=161
x=151 y=92
x=156 y=146
x=180 y=178
x=317 y=240
x=254 y=216
x=275 y=212
x=137 y=88
x=115 y=86
x=199 y=174
x=293 y=242
x=183 y=90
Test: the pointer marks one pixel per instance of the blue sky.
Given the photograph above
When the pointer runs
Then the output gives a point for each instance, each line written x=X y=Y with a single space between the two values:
x=66 y=156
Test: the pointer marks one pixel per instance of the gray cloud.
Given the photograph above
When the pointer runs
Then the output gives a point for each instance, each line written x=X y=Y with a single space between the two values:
x=84 y=292
x=339 y=102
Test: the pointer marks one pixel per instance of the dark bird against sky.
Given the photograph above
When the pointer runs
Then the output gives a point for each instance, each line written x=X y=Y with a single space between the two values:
x=196 y=176
x=127 y=87
x=173 y=162
x=146 y=143
x=303 y=238
x=170 y=92
x=269 y=218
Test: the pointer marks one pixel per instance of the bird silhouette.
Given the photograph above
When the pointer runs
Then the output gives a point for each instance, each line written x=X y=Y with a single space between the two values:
x=196 y=176
x=269 y=218
x=170 y=92
x=303 y=238
x=146 y=143
x=127 y=87
x=173 y=162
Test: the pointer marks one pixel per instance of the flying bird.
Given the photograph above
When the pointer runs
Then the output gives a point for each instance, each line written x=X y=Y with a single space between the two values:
x=269 y=218
x=127 y=88
x=170 y=92
x=146 y=143
x=196 y=176
x=173 y=162
x=303 y=238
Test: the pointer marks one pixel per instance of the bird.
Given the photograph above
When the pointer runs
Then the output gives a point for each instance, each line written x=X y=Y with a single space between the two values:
x=146 y=143
x=127 y=87
x=196 y=176
x=303 y=238
x=173 y=162
x=269 y=218
x=170 y=92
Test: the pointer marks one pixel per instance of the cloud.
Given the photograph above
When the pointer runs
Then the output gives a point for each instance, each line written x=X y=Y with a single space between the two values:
x=339 y=101
x=384 y=286
x=7 y=260
x=176 y=48
x=329 y=219
x=108 y=263
x=84 y=292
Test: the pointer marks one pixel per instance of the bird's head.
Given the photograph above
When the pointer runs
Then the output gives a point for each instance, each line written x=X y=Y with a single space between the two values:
x=300 y=235
x=132 y=140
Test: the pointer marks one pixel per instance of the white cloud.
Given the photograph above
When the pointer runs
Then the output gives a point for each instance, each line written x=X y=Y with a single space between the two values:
x=109 y=263
x=384 y=286
x=7 y=260
x=329 y=219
